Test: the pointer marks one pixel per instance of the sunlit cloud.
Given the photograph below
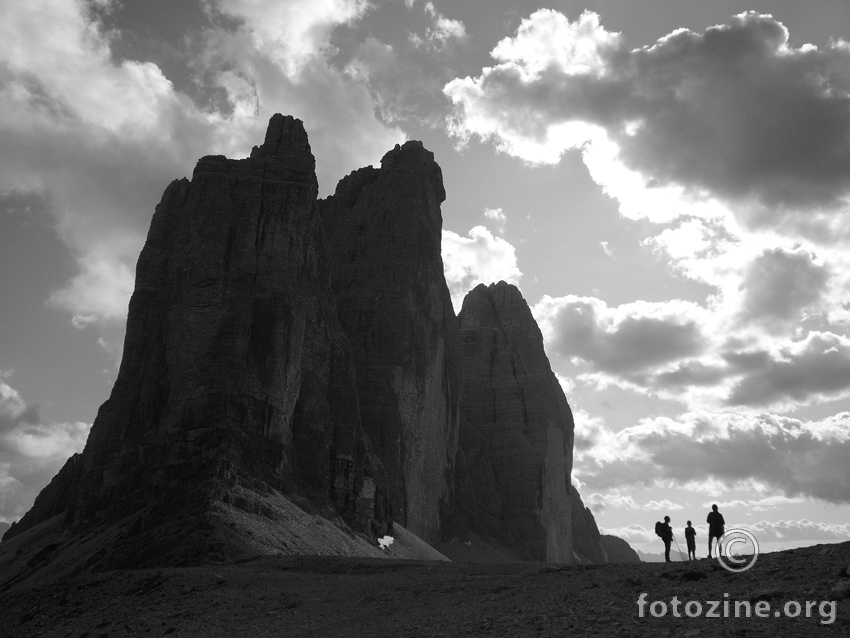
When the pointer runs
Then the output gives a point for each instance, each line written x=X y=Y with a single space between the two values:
x=99 y=139
x=478 y=258
x=777 y=455
x=31 y=450
x=753 y=207
x=669 y=118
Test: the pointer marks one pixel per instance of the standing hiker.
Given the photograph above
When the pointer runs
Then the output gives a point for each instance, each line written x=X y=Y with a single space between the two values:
x=666 y=533
x=690 y=537
x=716 y=529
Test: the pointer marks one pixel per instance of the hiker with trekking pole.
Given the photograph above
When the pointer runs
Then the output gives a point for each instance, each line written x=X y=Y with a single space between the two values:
x=666 y=533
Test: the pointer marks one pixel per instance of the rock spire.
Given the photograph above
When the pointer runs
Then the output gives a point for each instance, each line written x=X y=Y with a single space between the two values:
x=236 y=373
x=384 y=230
x=516 y=437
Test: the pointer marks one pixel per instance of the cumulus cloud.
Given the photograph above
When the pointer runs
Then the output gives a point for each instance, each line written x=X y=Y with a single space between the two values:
x=496 y=214
x=802 y=530
x=31 y=451
x=774 y=454
x=102 y=289
x=784 y=376
x=99 y=138
x=91 y=137
x=498 y=217
x=709 y=357
x=291 y=33
x=816 y=368
x=779 y=285
x=478 y=258
x=634 y=535
x=277 y=58
x=630 y=338
x=403 y=79
x=443 y=28
x=616 y=499
x=734 y=113
x=405 y=72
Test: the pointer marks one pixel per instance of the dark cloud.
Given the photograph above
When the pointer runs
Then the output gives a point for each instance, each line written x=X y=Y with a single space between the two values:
x=630 y=339
x=816 y=368
x=734 y=111
x=737 y=111
x=419 y=51
x=406 y=81
x=798 y=373
x=676 y=351
x=794 y=374
x=789 y=456
x=779 y=285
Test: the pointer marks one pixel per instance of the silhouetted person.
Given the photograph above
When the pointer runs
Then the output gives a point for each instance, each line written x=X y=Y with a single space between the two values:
x=667 y=537
x=715 y=528
x=690 y=537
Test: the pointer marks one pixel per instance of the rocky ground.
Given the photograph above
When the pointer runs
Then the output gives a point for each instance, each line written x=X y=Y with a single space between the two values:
x=322 y=596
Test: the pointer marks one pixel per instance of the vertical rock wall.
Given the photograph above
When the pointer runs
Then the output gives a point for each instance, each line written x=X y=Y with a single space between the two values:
x=587 y=539
x=516 y=439
x=235 y=367
x=384 y=230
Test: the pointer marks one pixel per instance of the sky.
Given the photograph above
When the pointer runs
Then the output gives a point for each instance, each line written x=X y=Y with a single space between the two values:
x=666 y=181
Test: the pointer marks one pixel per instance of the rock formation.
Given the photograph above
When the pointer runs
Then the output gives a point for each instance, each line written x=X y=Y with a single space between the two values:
x=236 y=378
x=290 y=362
x=384 y=230
x=592 y=547
x=617 y=550
x=52 y=500
x=587 y=539
x=516 y=438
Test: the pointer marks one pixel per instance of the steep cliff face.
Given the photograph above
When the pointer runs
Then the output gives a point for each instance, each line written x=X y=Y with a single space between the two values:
x=590 y=545
x=516 y=438
x=52 y=500
x=587 y=539
x=236 y=372
x=384 y=230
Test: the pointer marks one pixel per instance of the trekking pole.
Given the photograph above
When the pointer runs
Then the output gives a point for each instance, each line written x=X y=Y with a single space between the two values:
x=679 y=548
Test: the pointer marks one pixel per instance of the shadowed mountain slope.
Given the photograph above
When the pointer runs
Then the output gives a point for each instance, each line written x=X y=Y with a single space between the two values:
x=236 y=382
x=516 y=440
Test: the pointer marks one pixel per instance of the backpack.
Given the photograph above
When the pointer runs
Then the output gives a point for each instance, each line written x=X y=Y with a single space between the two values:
x=659 y=529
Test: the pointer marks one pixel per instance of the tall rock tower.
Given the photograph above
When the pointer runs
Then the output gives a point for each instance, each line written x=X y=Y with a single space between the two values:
x=384 y=230
x=236 y=372
x=516 y=437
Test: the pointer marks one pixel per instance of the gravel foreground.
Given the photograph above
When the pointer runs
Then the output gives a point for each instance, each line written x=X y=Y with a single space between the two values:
x=290 y=596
